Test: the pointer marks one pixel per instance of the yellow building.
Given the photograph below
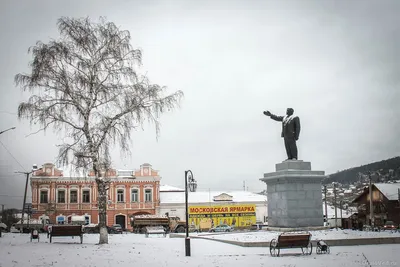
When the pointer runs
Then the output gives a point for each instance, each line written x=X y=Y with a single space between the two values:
x=211 y=208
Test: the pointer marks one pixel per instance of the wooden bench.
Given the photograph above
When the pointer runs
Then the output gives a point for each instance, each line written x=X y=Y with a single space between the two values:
x=291 y=240
x=66 y=230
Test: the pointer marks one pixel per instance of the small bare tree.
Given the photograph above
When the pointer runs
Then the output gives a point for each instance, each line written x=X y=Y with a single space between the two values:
x=85 y=86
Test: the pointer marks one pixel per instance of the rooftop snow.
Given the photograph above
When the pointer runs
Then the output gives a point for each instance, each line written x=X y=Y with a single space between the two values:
x=391 y=191
x=168 y=188
x=208 y=196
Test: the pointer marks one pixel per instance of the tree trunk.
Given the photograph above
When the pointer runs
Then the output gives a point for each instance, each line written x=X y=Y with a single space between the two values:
x=101 y=200
x=102 y=204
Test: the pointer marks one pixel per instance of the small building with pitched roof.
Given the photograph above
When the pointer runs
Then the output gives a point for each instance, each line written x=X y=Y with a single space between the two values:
x=386 y=203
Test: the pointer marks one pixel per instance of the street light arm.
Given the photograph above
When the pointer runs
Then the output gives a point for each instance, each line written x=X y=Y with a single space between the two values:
x=12 y=128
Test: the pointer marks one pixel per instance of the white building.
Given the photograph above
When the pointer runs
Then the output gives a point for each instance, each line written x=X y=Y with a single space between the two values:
x=238 y=208
x=341 y=214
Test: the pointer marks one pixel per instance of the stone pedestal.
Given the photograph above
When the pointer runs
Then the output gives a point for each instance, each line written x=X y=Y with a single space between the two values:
x=294 y=195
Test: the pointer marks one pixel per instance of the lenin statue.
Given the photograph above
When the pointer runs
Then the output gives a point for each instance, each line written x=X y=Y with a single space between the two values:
x=290 y=131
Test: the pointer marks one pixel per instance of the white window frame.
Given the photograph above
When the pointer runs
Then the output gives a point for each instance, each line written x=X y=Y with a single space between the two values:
x=137 y=194
x=86 y=190
x=145 y=195
x=77 y=195
x=40 y=196
x=65 y=196
x=123 y=195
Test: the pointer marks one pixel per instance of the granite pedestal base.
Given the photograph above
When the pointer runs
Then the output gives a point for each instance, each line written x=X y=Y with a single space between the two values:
x=294 y=195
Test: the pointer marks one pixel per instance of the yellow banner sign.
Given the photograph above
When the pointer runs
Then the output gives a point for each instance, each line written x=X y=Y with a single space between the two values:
x=222 y=209
x=234 y=215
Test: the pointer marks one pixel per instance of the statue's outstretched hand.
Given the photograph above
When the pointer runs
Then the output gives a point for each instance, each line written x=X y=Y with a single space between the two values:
x=267 y=113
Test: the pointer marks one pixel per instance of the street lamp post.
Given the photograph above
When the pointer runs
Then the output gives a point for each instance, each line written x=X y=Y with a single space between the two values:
x=192 y=186
x=12 y=128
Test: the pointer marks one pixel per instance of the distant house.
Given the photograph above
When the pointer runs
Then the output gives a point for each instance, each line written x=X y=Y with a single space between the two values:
x=386 y=203
x=346 y=218
x=348 y=192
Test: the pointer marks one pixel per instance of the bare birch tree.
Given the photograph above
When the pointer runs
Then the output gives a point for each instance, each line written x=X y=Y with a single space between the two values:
x=86 y=88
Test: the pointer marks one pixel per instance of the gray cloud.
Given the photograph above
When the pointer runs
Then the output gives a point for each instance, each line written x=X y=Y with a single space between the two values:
x=335 y=62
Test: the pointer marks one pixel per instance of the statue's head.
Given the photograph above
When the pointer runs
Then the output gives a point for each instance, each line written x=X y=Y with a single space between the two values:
x=289 y=111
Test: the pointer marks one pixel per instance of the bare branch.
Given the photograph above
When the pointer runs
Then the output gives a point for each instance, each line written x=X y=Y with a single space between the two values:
x=85 y=87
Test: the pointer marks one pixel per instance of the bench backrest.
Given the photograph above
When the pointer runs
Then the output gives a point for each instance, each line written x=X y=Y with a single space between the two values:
x=66 y=230
x=293 y=240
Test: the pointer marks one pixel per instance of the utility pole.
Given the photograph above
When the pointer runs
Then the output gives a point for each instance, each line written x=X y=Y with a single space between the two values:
x=371 y=204
x=334 y=193
x=341 y=215
x=398 y=193
x=2 y=214
x=326 y=206
x=23 y=207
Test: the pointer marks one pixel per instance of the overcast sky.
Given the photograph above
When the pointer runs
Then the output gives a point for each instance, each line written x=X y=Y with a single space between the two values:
x=335 y=62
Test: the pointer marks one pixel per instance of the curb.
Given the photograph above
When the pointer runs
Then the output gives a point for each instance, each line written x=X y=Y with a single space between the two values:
x=286 y=229
x=330 y=242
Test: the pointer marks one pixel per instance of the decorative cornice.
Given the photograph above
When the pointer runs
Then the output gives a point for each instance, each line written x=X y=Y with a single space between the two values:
x=84 y=180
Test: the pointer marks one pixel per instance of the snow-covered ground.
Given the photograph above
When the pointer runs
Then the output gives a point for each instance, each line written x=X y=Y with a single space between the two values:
x=135 y=250
x=316 y=235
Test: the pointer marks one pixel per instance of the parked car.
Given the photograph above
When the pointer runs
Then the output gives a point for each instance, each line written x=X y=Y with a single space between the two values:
x=194 y=229
x=389 y=225
x=13 y=229
x=222 y=228
x=115 y=229
x=3 y=227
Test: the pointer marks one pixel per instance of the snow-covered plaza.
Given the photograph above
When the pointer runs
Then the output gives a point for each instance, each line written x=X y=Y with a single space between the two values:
x=16 y=250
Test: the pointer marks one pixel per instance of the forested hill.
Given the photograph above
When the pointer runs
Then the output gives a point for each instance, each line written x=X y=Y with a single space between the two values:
x=389 y=170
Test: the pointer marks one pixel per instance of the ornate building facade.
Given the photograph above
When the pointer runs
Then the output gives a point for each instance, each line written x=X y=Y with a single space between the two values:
x=131 y=192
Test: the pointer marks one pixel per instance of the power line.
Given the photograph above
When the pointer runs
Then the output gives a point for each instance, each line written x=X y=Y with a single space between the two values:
x=12 y=156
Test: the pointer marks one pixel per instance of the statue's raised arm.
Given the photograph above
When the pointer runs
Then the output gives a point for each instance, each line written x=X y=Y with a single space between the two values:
x=272 y=116
x=290 y=131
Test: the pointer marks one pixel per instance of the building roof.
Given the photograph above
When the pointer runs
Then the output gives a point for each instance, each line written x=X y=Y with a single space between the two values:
x=390 y=191
x=168 y=188
x=206 y=197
